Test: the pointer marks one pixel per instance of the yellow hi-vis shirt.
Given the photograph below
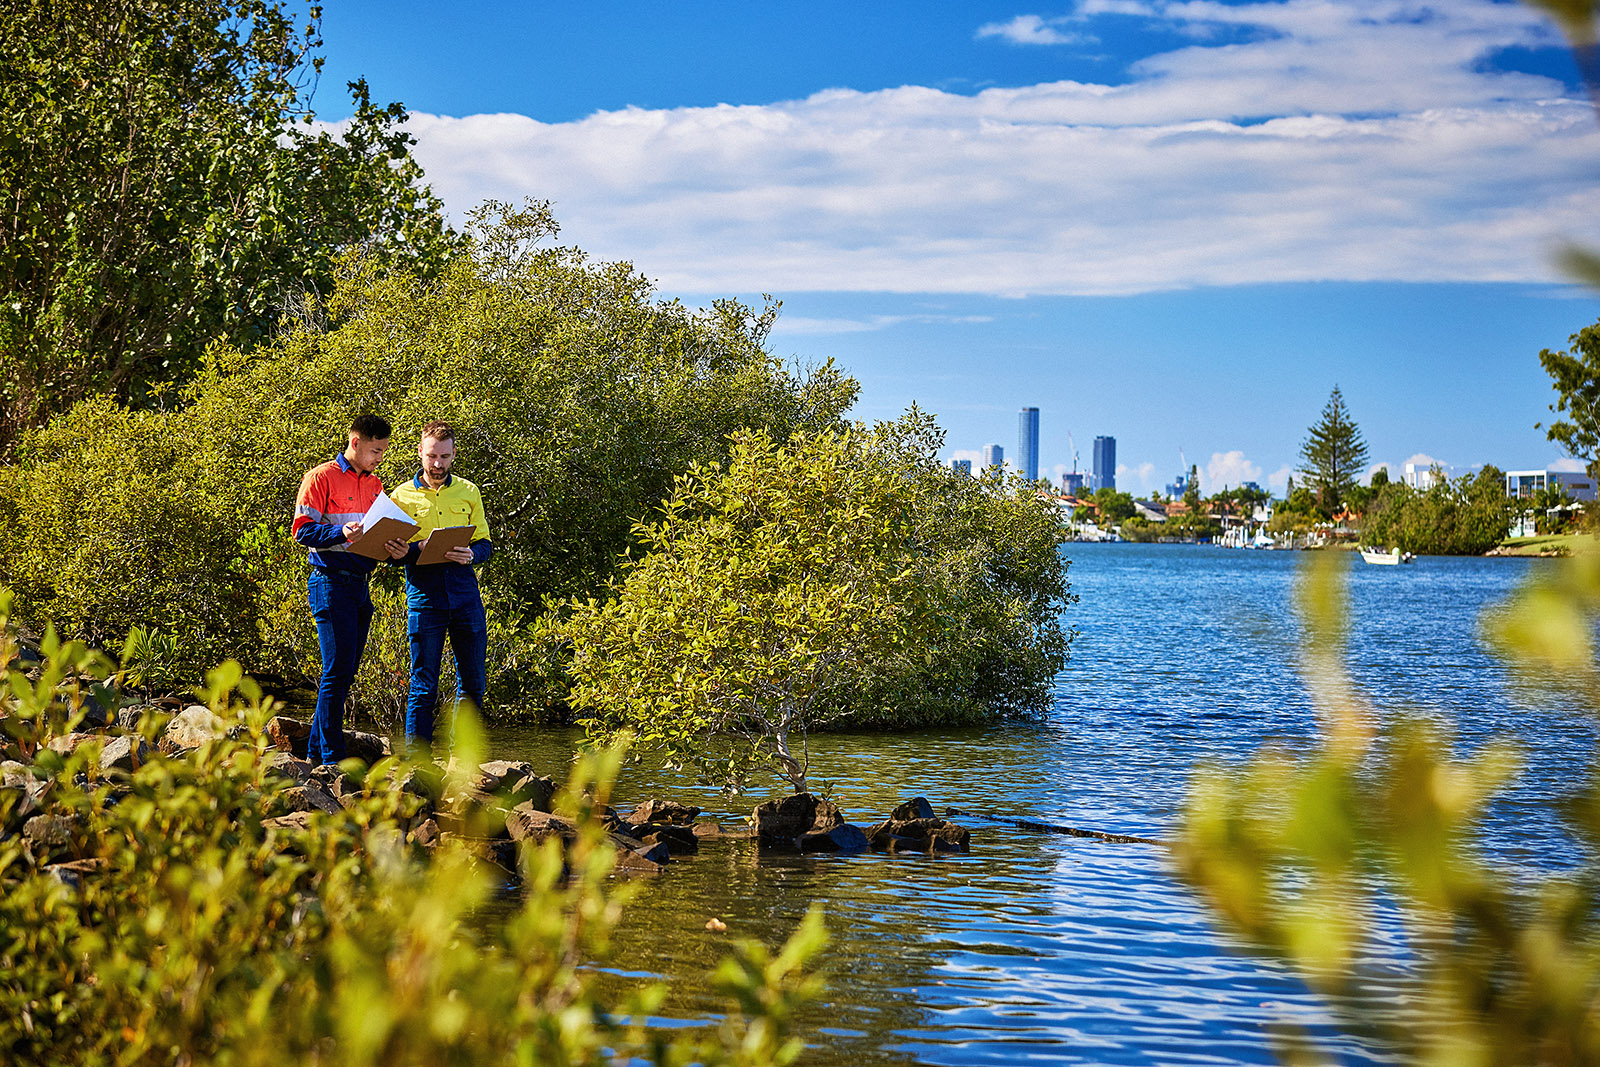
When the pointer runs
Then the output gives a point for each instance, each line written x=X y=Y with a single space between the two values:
x=456 y=503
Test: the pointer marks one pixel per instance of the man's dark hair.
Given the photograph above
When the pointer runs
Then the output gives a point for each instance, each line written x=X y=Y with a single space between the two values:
x=372 y=427
x=439 y=430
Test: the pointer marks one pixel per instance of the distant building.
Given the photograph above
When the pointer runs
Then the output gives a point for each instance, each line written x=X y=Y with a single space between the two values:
x=1425 y=478
x=1072 y=483
x=1105 y=463
x=1150 y=511
x=993 y=456
x=1028 y=443
x=1179 y=485
x=1252 y=486
x=962 y=466
x=1576 y=484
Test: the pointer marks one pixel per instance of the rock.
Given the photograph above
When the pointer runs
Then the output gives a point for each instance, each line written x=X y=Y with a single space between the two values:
x=48 y=831
x=842 y=838
x=289 y=766
x=126 y=753
x=631 y=857
x=663 y=811
x=312 y=796
x=536 y=789
x=294 y=735
x=781 y=822
x=919 y=835
x=192 y=727
x=67 y=744
x=14 y=773
x=527 y=823
x=425 y=833
x=679 y=840
x=916 y=808
x=72 y=873
x=706 y=829
x=295 y=820
x=290 y=735
x=368 y=748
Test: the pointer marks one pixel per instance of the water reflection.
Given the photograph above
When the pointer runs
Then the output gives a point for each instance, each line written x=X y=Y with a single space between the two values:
x=1057 y=949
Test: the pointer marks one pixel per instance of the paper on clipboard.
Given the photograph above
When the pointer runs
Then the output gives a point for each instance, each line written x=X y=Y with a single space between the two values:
x=443 y=540
x=383 y=522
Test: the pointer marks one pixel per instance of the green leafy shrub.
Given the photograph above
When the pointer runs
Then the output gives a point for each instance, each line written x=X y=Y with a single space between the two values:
x=845 y=576
x=1464 y=517
x=195 y=929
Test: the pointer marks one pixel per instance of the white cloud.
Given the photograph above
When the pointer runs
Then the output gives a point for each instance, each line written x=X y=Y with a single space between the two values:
x=800 y=326
x=1228 y=470
x=1385 y=466
x=1423 y=462
x=1567 y=463
x=1278 y=480
x=1031 y=29
x=1344 y=141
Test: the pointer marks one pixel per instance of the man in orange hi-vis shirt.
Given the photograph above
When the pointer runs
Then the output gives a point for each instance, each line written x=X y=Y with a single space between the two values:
x=333 y=499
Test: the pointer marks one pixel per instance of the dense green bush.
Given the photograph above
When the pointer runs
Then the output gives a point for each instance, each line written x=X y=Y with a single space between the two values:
x=577 y=397
x=1464 y=517
x=845 y=577
x=195 y=930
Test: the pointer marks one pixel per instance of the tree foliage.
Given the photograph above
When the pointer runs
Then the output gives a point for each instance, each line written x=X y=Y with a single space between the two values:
x=1575 y=375
x=163 y=191
x=1464 y=517
x=847 y=576
x=1334 y=455
x=196 y=931
x=577 y=398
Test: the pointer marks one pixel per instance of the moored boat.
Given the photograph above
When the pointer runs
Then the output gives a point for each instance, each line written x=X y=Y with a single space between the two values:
x=1391 y=557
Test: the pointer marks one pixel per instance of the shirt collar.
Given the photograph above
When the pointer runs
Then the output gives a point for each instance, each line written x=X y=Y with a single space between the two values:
x=420 y=484
x=344 y=464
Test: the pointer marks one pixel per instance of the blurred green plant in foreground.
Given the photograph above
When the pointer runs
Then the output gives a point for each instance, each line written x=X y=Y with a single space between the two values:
x=1302 y=852
x=195 y=929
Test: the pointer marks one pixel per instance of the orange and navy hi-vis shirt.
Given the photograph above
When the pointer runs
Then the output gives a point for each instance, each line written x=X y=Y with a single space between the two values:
x=332 y=494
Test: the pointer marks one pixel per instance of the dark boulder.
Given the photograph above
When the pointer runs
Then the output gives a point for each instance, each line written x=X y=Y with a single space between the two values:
x=663 y=811
x=781 y=822
x=915 y=808
x=919 y=835
x=527 y=823
x=841 y=838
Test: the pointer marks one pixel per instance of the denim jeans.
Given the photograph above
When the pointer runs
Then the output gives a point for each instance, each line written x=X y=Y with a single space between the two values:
x=468 y=632
x=342 y=606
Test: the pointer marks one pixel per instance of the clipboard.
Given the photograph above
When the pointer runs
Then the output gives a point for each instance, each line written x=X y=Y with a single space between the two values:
x=383 y=522
x=443 y=540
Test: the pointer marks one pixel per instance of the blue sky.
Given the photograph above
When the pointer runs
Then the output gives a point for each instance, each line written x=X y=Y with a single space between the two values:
x=1177 y=223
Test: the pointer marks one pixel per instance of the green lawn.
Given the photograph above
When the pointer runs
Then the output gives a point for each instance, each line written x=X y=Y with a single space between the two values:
x=1547 y=544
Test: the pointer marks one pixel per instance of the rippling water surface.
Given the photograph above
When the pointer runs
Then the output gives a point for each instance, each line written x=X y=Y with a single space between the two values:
x=1042 y=948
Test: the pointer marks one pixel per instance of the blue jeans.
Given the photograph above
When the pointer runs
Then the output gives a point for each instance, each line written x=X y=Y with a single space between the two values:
x=468 y=631
x=342 y=606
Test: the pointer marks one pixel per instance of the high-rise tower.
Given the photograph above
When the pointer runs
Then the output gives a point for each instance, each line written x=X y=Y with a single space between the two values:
x=1028 y=443
x=993 y=456
x=1105 y=462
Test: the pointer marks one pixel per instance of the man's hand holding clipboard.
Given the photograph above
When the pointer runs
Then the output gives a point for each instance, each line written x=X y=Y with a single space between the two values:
x=447 y=544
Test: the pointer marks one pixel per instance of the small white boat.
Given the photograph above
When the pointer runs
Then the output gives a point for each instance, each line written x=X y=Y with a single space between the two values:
x=1391 y=557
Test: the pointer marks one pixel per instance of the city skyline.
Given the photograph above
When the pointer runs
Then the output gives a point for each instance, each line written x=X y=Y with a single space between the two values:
x=1183 y=222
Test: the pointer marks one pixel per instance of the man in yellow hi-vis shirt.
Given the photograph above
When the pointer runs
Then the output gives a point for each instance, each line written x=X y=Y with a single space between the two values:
x=443 y=598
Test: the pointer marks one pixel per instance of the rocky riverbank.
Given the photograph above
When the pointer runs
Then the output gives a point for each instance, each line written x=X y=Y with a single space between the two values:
x=494 y=810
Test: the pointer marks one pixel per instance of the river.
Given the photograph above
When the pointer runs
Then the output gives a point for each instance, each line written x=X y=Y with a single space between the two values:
x=1039 y=948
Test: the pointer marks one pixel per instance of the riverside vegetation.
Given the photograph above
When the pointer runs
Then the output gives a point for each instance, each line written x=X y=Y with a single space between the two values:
x=162 y=908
